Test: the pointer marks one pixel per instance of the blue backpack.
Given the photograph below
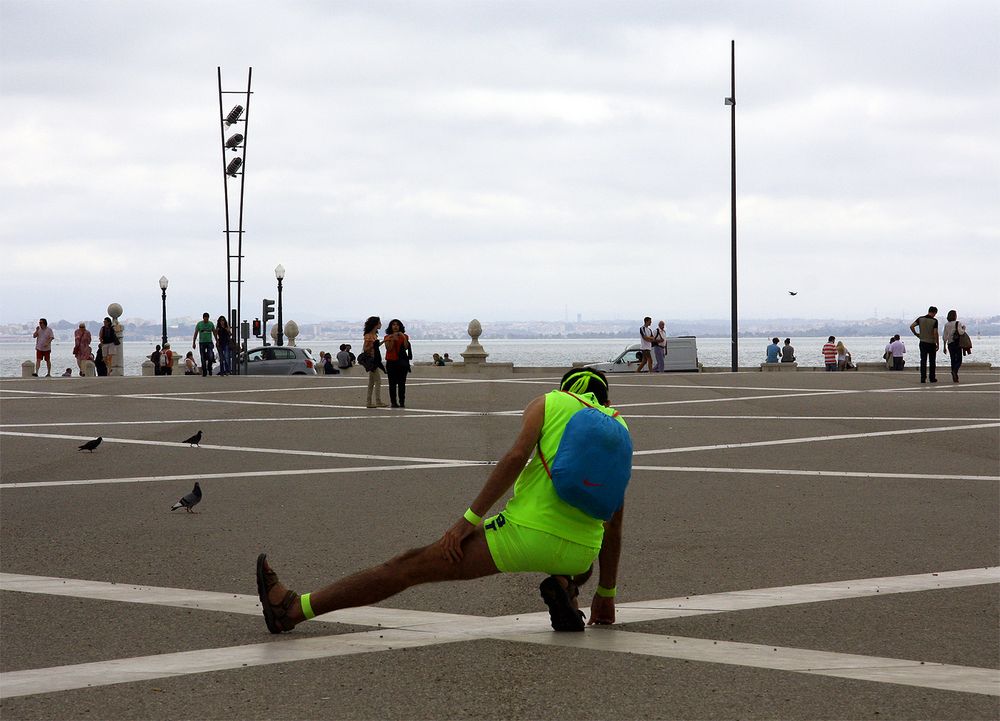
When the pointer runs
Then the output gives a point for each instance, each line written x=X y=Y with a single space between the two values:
x=593 y=462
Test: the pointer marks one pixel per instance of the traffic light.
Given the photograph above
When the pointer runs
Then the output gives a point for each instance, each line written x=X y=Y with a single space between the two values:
x=268 y=311
x=256 y=327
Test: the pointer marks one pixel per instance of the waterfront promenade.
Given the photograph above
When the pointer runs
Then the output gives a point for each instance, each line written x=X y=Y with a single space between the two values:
x=796 y=546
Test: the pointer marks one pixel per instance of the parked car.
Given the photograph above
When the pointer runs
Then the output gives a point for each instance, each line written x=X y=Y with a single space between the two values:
x=280 y=361
x=682 y=355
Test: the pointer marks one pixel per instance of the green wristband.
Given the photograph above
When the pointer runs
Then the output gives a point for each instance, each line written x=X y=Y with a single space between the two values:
x=472 y=518
x=606 y=592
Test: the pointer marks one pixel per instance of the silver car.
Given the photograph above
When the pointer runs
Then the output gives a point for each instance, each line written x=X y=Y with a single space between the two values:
x=280 y=361
x=682 y=355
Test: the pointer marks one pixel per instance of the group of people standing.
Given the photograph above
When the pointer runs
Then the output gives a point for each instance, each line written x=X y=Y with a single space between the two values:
x=209 y=337
x=955 y=336
x=107 y=346
x=398 y=354
x=652 y=341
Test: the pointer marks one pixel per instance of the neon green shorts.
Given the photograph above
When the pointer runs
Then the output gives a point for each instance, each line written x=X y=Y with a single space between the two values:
x=518 y=549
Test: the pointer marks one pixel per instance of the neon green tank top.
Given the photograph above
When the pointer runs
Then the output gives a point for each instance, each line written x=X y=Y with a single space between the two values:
x=535 y=503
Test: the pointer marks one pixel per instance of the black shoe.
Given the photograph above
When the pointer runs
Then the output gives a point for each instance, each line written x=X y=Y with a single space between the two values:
x=933 y=380
x=923 y=380
x=561 y=612
x=393 y=405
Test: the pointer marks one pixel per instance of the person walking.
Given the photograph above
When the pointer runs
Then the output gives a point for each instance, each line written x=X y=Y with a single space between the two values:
x=898 y=349
x=787 y=352
x=954 y=329
x=204 y=334
x=81 y=346
x=537 y=532
x=830 y=354
x=371 y=347
x=224 y=343
x=926 y=329
x=43 y=336
x=660 y=346
x=398 y=355
x=646 y=345
x=108 y=340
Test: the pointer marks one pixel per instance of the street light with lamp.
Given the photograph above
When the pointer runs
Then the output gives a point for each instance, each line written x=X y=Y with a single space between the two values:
x=163 y=287
x=279 y=273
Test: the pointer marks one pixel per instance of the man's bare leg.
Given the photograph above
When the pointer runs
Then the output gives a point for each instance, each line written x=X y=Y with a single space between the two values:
x=411 y=568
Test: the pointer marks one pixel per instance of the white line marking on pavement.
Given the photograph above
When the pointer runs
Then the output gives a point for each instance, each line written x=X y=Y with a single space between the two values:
x=359 y=470
x=401 y=628
x=822 y=663
x=246 y=449
x=817 y=439
x=294 y=419
x=916 y=419
x=833 y=474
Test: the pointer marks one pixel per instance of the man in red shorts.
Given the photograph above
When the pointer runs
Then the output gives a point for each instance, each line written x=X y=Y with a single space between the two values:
x=43 y=336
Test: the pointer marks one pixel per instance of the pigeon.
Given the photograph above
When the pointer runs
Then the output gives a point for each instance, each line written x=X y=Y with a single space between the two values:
x=91 y=445
x=190 y=500
x=194 y=440
x=793 y=292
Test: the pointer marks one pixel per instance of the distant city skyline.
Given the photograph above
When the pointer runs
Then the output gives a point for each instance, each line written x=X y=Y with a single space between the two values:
x=447 y=159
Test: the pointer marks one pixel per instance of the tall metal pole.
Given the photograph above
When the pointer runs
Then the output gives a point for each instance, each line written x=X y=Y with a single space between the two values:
x=735 y=329
x=281 y=328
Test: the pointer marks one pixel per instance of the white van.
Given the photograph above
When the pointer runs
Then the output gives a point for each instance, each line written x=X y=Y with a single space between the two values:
x=682 y=355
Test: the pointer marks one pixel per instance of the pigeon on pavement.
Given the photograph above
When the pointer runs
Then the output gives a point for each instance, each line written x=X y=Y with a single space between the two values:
x=190 y=500
x=194 y=440
x=91 y=445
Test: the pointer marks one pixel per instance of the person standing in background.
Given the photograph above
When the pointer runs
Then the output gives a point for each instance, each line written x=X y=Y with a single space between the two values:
x=397 y=361
x=926 y=329
x=43 y=336
x=81 y=346
x=646 y=345
x=224 y=342
x=204 y=334
x=371 y=347
x=660 y=346
x=108 y=340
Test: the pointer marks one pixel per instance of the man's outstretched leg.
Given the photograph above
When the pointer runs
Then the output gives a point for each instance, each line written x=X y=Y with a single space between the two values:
x=284 y=609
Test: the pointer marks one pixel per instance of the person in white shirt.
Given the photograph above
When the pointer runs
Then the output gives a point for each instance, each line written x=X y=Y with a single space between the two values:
x=43 y=347
x=898 y=351
x=646 y=345
x=954 y=329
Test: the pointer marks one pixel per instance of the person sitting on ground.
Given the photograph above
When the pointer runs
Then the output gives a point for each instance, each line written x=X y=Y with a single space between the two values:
x=438 y=360
x=537 y=532
x=773 y=351
x=190 y=366
x=343 y=357
x=843 y=356
x=328 y=366
x=448 y=359
x=787 y=352
x=68 y=373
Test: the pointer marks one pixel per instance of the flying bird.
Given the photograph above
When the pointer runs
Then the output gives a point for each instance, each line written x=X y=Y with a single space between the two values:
x=793 y=292
x=91 y=445
x=194 y=440
x=190 y=500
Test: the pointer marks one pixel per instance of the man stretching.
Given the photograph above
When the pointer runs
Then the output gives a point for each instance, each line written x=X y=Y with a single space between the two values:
x=537 y=532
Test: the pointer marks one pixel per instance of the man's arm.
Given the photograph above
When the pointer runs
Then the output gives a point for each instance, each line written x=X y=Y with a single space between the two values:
x=500 y=480
x=194 y=337
x=602 y=608
x=913 y=326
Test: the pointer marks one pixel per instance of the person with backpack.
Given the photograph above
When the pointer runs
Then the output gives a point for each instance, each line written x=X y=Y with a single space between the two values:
x=566 y=512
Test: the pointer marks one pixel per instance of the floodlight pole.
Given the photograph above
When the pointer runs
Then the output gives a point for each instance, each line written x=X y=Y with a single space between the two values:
x=732 y=104
x=235 y=312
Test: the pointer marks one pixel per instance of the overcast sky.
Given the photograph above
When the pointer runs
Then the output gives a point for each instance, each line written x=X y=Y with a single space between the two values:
x=503 y=160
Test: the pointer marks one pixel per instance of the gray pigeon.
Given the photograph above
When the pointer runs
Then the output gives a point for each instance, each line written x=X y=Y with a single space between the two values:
x=91 y=445
x=194 y=440
x=190 y=500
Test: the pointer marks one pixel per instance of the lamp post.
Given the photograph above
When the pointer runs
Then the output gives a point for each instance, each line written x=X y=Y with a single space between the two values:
x=731 y=101
x=279 y=273
x=163 y=287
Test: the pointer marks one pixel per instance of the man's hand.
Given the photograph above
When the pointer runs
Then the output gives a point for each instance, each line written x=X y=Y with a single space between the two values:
x=602 y=611
x=451 y=541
